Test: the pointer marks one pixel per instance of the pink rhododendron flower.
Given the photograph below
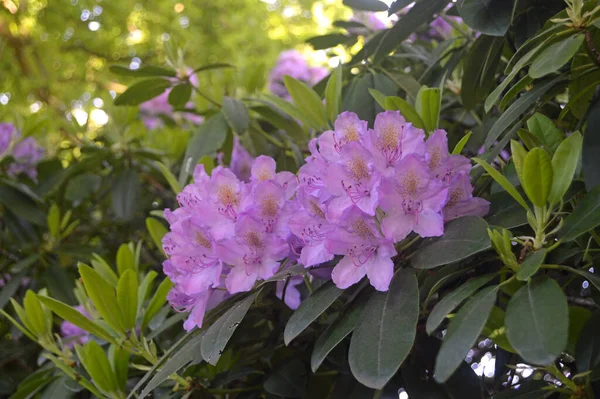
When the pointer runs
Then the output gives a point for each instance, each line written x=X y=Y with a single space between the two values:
x=360 y=192
x=292 y=63
x=71 y=333
x=26 y=153
x=8 y=134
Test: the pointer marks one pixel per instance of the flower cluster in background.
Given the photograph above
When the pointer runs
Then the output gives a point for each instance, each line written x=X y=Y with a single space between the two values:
x=26 y=153
x=360 y=192
x=293 y=64
x=72 y=334
x=153 y=109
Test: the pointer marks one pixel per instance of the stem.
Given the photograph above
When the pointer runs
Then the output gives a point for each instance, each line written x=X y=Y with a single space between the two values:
x=308 y=284
x=207 y=98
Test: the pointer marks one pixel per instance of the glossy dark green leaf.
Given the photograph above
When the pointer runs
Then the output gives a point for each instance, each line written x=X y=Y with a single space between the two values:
x=366 y=5
x=480 y=69
x=10 y=288
x=578 y=318
x=148 y=71
x=311 y=308
x=333 y=93
x=81 y=187
x=143 y=91
x=490 y=17
x=537 y=321
x=398 y=5
x=357 y=98
x=125 y=194
x=331 y=40
x=587 y=352
x=518 y=108
x=537 y=176
x=531 y=264
x=385 y=332
x=334 y=334
x=545 y=130
x=591 y=148
x=584 y=217
x=462 y=238
x=236 y=114
x=205 y=141
x=564 y=163
x=180 y=95
x=218 y=334
x=453 y=299
x=463 y=331
x=555 y=56
x=210 y=67
x=187 y=353
x=422 y=13
x=21 y=205
x=288 y=380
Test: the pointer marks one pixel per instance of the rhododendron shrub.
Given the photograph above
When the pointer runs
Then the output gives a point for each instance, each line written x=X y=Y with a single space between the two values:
x=421 y=220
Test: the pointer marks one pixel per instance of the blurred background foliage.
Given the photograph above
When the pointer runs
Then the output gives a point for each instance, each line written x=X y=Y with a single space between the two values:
x=55 y=54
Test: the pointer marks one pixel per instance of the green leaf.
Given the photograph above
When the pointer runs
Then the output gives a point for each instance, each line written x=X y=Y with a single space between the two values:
x=422 y=13
x=379 y=97
x=157 y=301
x=53 y=219
x=334 y=334
x=564 y=163
x=333 y=93
x=205 y=141
x=119 y=359
x=357 y=98
x=518 y=155
x=103 y=297
x=537 y=176
x=81 y=187
x=591 y=148
x=587 y=352
x=97 y=365
x=307 y=100
x=537 y=321
x=187 y=353
x=289 y=380
x=35 y=314
x=385 y=332
x=218 y=334
x=584 y=217
x=407 y=111
x=453 y=299
x=10 y=288
x=148 y=71
x=461 y=144
x=503 y=181
x=462 y=238
x=311 y=308
x=104 y=270
x=544 y=128
x=72 y=315
x=180 y=95
x=209 y=67
x=157 y=231
x=125 y=259
x=463 y=331
x=125 y=194
x=555 y=56
x=170 y=177
x=143 y=91
x=480 y=70
x=279 y=121
x=531 y=264
x=32 y=384
x=518 y=108
x=330 y=40
x=490 y=17
x=21 y=205
x=428 y=105
x=127 y=297
x=236 y=114
x=366 y=5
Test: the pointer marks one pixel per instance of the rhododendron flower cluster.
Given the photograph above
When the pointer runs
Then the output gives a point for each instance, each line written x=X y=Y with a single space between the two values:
x=360 y=192
x=292 y=63
x=26 y=153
